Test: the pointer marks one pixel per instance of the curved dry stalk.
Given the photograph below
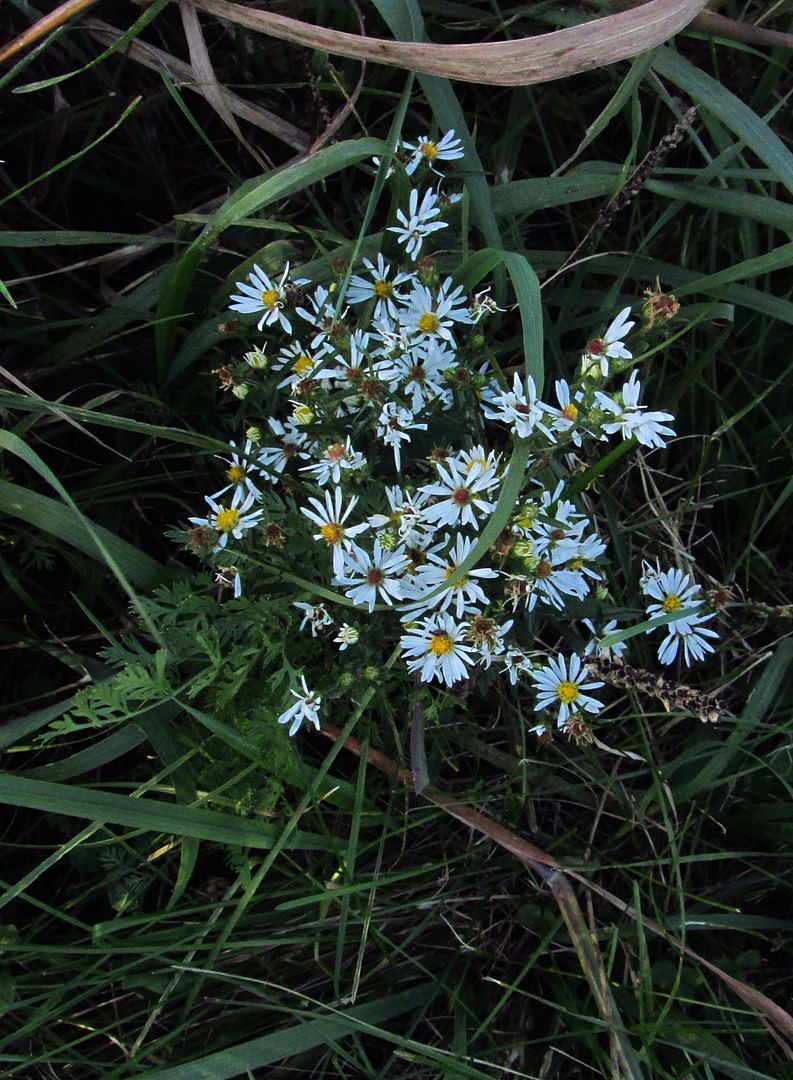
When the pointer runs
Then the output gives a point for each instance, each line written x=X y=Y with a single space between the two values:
x=504 y=63
x=555 y=875
x=710 y=22
x=45 y=25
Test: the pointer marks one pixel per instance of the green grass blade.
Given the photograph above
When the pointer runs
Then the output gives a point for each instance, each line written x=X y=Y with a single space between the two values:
x=319 y=1031
x=17 y=730
x=75 y=529
x=152 y=815
x=76 y=238
x=73 y=157
x=111 y=420
x=92 y=757
x=737 y=116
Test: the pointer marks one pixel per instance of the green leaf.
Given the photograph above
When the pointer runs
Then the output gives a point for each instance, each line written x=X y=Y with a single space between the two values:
x=542 y=193
x=25 y=403
x=735 y=114
x=527 y=293
x=75 y=238
x=318 y=1030
x=152 y=815
x=75 y=529
x=92 y=757
x=16 y=730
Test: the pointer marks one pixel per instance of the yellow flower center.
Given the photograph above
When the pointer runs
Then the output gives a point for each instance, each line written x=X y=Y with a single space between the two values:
x=447 y=573
x=429 y=323
x=576 y=563
x=382 y=289
x=429 y=150
x=570 y=412
x=303 y=414
x=303 y=364
x=567 y=692
x=235 y=474
x=226 y=520
x=332 y=532
x=270 y=299
x=671 y=603
x=441 y=644
x=476 y=461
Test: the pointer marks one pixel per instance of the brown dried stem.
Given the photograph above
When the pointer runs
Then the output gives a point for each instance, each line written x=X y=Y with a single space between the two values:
x=555 y=875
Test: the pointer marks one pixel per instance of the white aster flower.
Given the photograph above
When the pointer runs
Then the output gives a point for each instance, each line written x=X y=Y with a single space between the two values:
x=515 y=662
x=477 y=460
x=321 y=315
x=567 y=413
x=462 y=497
x=407 y=516
x=606 y=652
x=313 y=614
x=263 y=295
x=427 y=317
x=610 y=347
x=367 y=575
x=465 y=595
x=228 y=577
x=673 y=591
x=337 y=457
x=420 y=373
x=331 y=525
x=632 y=419
x=347 y=635
x=393 y=425
x=232 y=520
x=554 y=581
x=379 y=287
x=305 y=708
x=518 y=408
x=691 y=635
x=449 y=148
x=292 y=443
x=562 y=683
x=239 y=471
x=435 y=648
x=296 y=358
x=418 y=223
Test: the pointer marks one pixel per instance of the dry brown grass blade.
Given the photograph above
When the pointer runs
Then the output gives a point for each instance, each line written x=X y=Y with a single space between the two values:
x=503 y=63
x=206 y=82
x=44 y=26
x=710 y=22
x=159 y=60
x=540 y=861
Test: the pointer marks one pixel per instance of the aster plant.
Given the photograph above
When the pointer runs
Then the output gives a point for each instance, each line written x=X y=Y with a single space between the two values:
x=429 y=489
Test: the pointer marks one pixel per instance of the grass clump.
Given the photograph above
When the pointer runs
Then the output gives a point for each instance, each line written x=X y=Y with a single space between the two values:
x=423 y=887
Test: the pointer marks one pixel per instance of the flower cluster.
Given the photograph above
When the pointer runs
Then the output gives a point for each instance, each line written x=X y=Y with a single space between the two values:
x=393 y=435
